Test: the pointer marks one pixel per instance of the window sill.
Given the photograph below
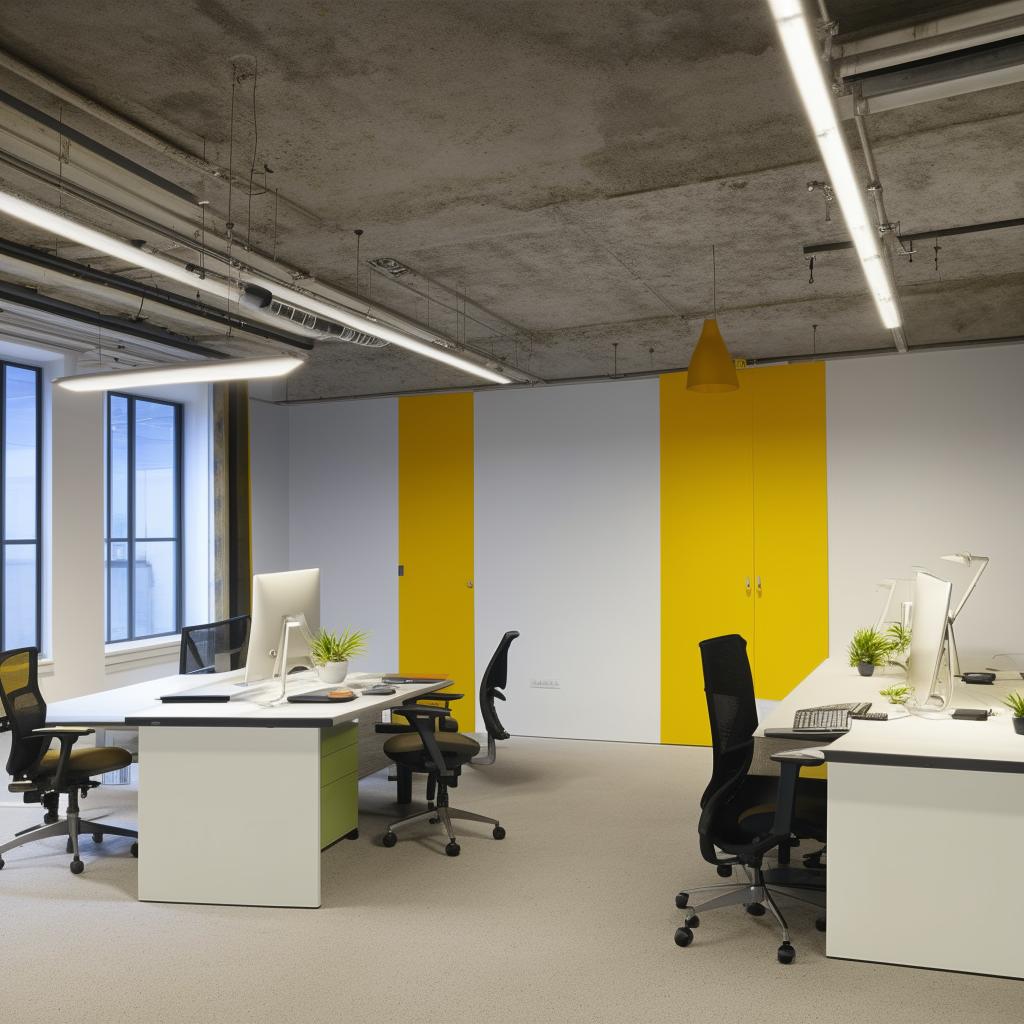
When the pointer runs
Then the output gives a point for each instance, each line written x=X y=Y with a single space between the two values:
x=157 y=648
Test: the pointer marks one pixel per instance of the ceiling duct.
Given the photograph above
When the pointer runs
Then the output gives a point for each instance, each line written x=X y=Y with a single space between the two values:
x=255 y=297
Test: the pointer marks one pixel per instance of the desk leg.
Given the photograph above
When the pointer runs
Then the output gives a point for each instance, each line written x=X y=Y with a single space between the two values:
x=921 y=867
x=229 y=815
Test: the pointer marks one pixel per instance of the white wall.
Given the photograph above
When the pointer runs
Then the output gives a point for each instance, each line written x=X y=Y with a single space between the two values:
x=343 y=516
x=269 y=433
x=568 y=552
x=925 y=458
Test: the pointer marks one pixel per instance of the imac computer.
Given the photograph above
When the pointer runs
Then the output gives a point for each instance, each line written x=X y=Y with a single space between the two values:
x=929 y=673
x=285 y=615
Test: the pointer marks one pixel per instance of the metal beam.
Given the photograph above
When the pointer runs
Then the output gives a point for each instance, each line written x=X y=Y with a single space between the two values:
x=33 y=299
x=914 y=236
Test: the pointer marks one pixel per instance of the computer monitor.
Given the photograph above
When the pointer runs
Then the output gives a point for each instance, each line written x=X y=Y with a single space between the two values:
x=929 y=643
x=276 y=598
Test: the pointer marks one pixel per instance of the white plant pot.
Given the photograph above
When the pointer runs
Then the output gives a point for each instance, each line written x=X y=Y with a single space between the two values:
x=332 y=672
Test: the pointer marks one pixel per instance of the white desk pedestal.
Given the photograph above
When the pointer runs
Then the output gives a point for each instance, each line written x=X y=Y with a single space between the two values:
x=922 y=866
x=229 y=815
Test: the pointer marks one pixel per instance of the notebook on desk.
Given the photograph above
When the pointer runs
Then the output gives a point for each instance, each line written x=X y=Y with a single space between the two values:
x=209 y=693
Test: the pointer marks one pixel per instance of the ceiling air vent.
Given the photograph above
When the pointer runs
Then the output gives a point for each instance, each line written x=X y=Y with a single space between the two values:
x=254 y=297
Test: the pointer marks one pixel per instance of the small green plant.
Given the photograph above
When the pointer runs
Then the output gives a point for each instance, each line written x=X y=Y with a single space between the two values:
x=899 y=640
x=898 y=693
x=1015 y=702
x=328 y=646
x=869 y=647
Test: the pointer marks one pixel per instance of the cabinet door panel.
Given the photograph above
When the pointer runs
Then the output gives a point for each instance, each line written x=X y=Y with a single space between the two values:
x=790 y=524
x=706 y=542
x=435 y=542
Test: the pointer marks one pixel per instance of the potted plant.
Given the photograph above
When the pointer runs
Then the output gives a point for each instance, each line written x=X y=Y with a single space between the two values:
x=868 y=649
x=331 y=653
x=1015 y=702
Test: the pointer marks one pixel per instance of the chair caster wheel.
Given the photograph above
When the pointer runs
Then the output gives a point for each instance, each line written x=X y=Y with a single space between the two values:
x=50 y=819
x=682 y=899
x=389 y=839
x=724 y=871
x=693 y=922
x=499 y=832
x=819 y=923
x=135 y=849
x=452 y=849
x=787 y=954
x=97 y=837
x=755 y=909
x=683 y=936
x=434 y=821
x=77 y=867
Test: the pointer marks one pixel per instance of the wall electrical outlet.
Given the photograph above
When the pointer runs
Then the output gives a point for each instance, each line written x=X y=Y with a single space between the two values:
x=546 y=684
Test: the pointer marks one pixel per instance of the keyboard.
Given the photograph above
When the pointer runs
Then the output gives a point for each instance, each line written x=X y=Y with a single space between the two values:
x=830 y=718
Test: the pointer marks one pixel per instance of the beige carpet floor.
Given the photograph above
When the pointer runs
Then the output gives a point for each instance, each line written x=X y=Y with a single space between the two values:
x=569 y=919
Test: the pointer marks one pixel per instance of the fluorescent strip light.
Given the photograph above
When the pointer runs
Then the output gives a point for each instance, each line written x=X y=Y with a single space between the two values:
x=204 y=372
x=57 y=224
x=805 y=64
x=368 y=325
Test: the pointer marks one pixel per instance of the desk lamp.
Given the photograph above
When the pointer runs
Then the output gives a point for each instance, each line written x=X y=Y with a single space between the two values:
x=963 y=558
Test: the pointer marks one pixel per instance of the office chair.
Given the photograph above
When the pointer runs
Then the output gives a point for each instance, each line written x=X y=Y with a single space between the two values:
x=214 y=647
x=743 y=816
x=492 y=685
x=440 y=755
x=42 y=775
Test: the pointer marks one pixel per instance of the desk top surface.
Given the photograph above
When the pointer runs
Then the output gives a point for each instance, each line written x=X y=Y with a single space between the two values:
x=139 y=704
x=905 y=739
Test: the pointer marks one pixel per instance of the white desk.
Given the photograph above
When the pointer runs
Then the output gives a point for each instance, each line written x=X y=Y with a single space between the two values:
x=925 y=829
x=236 y=800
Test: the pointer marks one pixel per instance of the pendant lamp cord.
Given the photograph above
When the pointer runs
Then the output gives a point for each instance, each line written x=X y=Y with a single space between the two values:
x=714 y=284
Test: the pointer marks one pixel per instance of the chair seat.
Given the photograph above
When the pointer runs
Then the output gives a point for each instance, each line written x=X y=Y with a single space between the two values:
x=407 y=748
x=751 y=811
x=88 y=760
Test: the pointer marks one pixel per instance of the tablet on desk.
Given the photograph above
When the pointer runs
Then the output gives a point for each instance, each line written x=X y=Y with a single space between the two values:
x=210 y=693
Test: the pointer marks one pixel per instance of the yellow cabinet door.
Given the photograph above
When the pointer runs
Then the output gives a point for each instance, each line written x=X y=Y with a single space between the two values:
x=706 y=542
x=790 y=524
x=435 y=543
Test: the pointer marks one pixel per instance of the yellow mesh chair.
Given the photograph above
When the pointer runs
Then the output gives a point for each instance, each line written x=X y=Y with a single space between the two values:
x=42 y=775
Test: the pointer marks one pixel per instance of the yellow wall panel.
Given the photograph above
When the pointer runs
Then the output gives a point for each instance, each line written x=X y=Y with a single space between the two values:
x=435 y=543
x=790 y=524
x=706 y=542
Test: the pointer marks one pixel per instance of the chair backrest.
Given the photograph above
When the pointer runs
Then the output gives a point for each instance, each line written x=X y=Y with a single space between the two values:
x=494 y=681
x=214 y=647
x=24 y=707
x=732 y=709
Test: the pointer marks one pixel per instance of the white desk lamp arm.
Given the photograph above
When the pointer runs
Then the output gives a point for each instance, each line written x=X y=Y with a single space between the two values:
x=968 y=559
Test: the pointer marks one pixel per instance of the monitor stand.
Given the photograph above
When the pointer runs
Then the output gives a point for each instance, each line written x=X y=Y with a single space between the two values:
x=288 y=624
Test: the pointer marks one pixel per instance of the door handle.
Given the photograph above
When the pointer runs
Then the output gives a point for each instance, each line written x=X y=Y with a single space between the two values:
x=747 y=585
x=469 y=583
x=759 y=591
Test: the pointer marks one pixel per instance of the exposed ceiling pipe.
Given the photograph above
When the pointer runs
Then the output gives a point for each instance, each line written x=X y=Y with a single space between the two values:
x=929 y=38
x=78 y=271
x=135 y=131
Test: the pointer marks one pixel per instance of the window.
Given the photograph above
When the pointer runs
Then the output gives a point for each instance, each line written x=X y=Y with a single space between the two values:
x=21 y=508
x=143 y=542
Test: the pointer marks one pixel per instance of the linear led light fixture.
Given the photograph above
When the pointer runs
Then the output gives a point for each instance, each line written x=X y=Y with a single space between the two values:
x=808 y=72
x=65 y=227
x=202 y=372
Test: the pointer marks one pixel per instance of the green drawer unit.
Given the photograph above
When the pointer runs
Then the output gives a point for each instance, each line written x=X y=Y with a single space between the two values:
x=339 y=783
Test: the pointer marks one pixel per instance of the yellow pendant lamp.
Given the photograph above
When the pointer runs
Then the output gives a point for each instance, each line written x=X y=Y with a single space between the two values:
x=711 y=370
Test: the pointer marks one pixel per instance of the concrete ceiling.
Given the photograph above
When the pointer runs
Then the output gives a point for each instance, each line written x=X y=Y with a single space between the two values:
x=557 y=169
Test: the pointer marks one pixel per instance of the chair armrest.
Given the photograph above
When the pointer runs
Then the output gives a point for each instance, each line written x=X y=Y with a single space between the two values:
x=393 y=727
x=446 y=697
x=413 y=711
x=807 y=758
x=68 y=736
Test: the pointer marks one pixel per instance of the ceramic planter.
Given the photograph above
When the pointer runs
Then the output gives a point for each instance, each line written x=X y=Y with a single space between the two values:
x=865 y=668
x=332 y=672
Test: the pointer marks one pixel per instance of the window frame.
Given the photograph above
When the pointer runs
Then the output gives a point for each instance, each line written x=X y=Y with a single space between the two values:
x=131 y=540
x=38 y=542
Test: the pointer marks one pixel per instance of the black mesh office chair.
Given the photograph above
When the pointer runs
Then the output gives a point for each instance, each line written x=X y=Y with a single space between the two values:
x=492 y=685
x=214 y=647
x=42 y=775
x=743 y=816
